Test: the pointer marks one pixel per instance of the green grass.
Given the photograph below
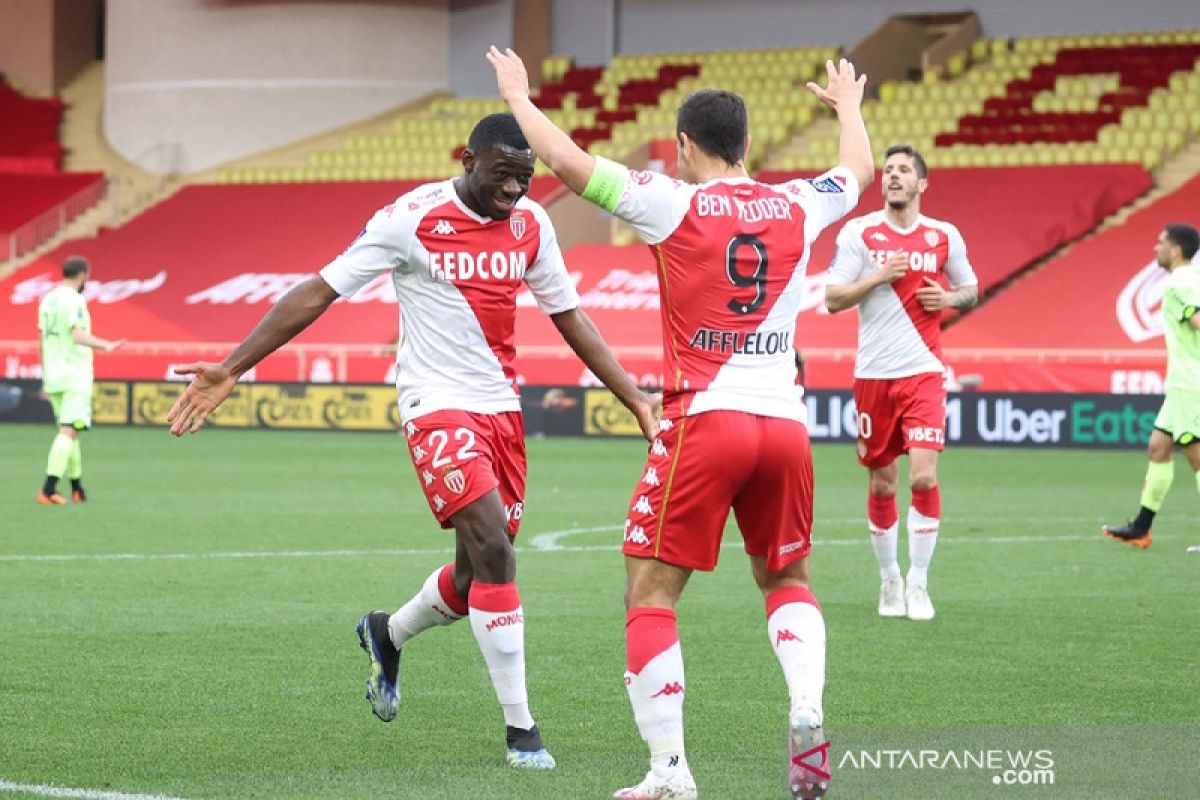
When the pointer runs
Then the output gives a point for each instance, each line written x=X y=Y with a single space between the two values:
x=235 y=677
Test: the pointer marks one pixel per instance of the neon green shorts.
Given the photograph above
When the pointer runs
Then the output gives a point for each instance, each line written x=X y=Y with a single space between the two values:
x=73 y=407
x=1179 y=418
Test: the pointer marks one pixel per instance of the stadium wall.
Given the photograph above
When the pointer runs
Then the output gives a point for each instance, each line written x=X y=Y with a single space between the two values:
x=223 y=80
x=974 y=419
x=664 y=26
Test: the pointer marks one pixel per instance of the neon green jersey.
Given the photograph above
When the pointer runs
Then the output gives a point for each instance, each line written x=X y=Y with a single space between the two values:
x=66 y=364
x=1181 y=299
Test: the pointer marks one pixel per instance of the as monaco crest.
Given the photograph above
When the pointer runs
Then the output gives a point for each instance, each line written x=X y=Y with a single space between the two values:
x=516 y=224
x=931 y=238
x=455 y=481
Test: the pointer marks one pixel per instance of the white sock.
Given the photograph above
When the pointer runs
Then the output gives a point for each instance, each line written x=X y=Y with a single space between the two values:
x=884 y=542
x=427 y=609
x=656 y=694
x=498 y=621
x=797 y=631
x=922 y=539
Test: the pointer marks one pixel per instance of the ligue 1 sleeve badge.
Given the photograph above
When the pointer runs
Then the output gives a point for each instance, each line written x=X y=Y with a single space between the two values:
x=516 y=224
x=455 y=481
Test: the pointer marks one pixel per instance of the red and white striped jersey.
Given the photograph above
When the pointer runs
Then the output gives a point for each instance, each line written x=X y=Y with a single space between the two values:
x=456 y=276
x=896 y=336
x=731 y=257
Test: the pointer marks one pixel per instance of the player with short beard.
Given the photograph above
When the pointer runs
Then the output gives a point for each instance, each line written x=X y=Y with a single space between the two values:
x=1178 y=422
x=731 y=255
x=890 y=263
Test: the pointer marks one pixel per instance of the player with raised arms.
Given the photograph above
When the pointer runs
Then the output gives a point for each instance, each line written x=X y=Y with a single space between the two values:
x=731 y=256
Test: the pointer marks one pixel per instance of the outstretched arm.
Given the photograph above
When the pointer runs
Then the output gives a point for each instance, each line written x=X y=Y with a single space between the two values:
x=567 y=160
x=212 y=383
x=844 y=94
x=580 y=333
x=95 y=342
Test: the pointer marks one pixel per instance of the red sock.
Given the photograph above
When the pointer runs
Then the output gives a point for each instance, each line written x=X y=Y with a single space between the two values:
x=648 y=632
x=453 y=600
x=928 y=502
x=881 y=510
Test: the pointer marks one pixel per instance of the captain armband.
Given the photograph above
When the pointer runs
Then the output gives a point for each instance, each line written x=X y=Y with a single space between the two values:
x=606 y=184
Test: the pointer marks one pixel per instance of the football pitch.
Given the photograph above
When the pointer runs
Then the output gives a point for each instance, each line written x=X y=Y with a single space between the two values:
x=190 y=632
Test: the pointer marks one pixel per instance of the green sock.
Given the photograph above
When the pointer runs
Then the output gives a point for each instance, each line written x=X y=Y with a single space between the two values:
x=60 y=454
x=1159 y=475
x=75 y=462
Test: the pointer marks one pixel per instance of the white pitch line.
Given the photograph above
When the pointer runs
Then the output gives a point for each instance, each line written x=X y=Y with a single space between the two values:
x=542 y=543
x=49 y=790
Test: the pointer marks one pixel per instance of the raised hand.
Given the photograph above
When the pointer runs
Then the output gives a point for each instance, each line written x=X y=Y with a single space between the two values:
x=211 y=384
x=511 y=77
x=843 y=89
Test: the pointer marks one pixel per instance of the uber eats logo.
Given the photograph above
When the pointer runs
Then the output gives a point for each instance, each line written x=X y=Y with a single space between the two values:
x=1124 y=425
x=1054 y=420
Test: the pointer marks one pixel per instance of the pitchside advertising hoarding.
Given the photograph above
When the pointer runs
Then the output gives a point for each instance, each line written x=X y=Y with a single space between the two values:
x=977 y=419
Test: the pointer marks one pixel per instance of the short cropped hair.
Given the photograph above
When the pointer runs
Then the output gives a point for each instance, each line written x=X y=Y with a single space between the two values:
x=913 y=153
x=1185 y=237
x=716 y=121
x=74 y=266
x=497 y=129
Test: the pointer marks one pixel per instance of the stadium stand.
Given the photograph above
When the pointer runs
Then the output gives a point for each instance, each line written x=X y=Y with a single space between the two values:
x=35 y=197
x=1042 y=100
x=1099 y=306
x=609 y=110
x=242 y=252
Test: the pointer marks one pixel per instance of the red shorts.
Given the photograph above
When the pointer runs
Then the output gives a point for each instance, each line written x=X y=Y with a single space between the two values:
x=702 y=466
x=897 y=414
x=460 y=456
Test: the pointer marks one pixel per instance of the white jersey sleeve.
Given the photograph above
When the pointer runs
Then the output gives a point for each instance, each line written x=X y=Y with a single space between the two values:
x=547 y=279
x=958 y=268
x=825 y=199
x=652 y=203
x=382 y=246
x=850 y=257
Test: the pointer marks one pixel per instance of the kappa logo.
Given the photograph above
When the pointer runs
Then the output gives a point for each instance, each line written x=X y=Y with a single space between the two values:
x=879 y=236
x=418 y=453
x=665 y=424
x=455 y=481
x=516 y=224
x=658 y=448
x=444 y=228
x=785 y=635
x=651 y=477
x=438 y=502
x=409 y=430
x=672 y=688
x=642 y=506
x=427 y=476
x=637 y=535
x=515 y=618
